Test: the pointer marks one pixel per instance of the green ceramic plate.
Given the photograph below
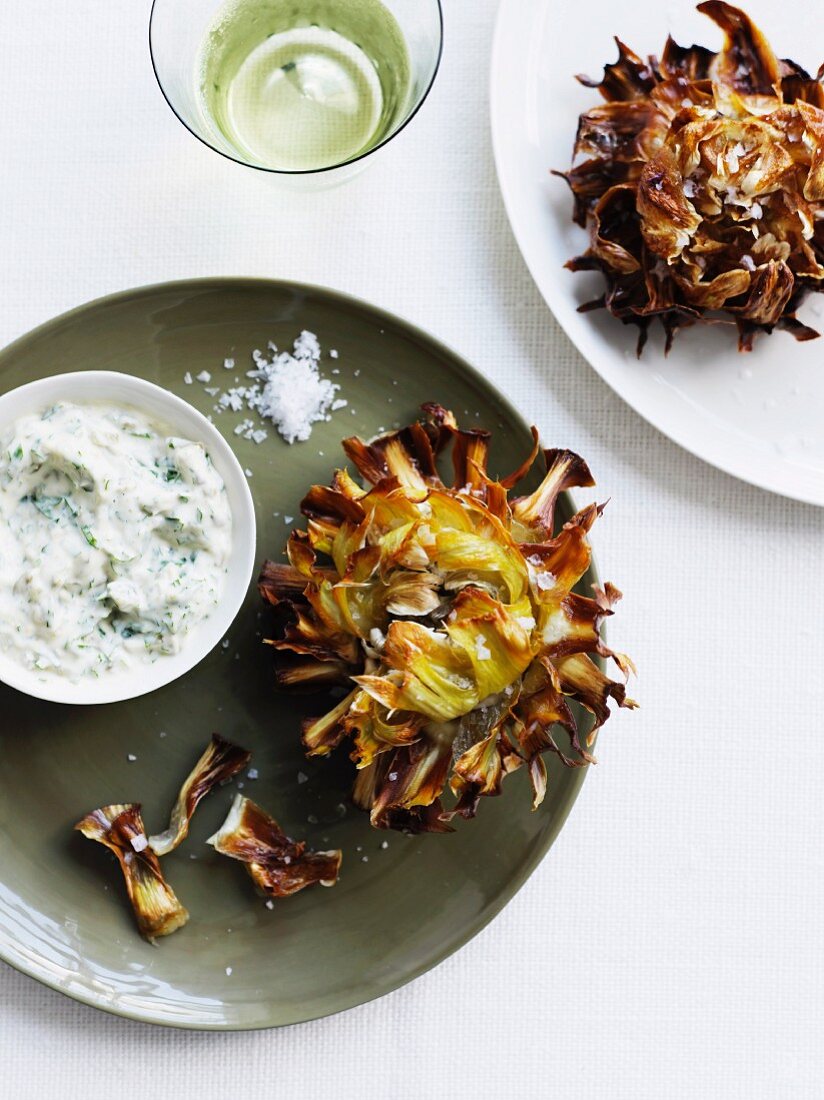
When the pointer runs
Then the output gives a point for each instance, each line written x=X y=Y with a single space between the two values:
x=397 y=911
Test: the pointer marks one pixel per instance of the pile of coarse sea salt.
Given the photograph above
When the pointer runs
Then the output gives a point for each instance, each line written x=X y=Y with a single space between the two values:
x=286 y=389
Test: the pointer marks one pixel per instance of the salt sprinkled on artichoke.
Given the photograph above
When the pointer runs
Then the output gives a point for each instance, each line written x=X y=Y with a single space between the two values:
x=701 y=181
x=449 y=613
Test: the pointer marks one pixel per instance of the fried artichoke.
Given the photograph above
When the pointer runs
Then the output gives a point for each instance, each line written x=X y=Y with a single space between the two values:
x=449 y=615
x=701 y=182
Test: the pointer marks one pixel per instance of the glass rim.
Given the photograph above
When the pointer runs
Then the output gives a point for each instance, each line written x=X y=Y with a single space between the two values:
x=301 y=171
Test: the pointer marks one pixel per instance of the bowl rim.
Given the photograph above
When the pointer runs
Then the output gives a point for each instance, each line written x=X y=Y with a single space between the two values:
x=290 y=172
x=205 y=636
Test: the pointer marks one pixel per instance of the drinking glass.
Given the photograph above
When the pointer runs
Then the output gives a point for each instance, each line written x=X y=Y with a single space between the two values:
x=179 y=28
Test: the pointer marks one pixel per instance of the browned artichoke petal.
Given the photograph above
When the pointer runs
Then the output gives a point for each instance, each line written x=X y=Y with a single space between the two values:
x=304 y=634
x=565 y=470
x=800 y=88
x=746 y=63
x=321 y=735
x=418 y=819
x=580 y=678
x=278 y=865
x=406 y=456
x=668 y=219
x=476 y=773
x=278 y=581
x=310 y=674
x=691 y=63
x=332 y=506
x=561 y=562
x=470 y=456
x=771 y=288
x=627 y=78
x=415 y=777
x=715 y=294
x=120 y=829
x=511 y=480
x=302 y=555
x=614 y=238
x=542 y=706
x=374 y=735
x=219 y=762
x=368 y=780
x=814 y=139
x=610 y=132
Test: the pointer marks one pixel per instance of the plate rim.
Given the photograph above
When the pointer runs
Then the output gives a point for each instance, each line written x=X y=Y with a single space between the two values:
x=502 y=81
x=16 y=958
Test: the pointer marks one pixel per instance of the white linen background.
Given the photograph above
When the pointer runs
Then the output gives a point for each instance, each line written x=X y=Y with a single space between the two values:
x=669 y=943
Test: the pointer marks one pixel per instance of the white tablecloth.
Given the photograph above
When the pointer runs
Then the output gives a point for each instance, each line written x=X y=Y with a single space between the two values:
x=668 y=946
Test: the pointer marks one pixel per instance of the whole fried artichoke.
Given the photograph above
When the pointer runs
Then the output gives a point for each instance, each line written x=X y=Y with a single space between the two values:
x=701 y=181
x=449 y=613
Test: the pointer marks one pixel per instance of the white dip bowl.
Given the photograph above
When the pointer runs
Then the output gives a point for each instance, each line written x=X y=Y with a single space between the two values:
x=172 y=412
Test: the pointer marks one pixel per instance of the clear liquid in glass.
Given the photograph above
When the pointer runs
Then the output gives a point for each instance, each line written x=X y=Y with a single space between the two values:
x=299 y=86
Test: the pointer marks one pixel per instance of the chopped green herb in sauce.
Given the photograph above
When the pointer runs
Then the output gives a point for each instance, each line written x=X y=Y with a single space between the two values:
x=114 y=539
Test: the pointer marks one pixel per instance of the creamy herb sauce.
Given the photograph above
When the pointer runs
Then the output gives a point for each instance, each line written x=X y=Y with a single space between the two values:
x=114 y=540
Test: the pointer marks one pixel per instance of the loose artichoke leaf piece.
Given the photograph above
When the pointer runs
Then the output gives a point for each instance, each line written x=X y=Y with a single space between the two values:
x=278 y=865
x=219 y=762
x=120 y=829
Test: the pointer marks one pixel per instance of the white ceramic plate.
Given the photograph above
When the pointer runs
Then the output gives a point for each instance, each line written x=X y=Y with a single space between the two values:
x=166 y=409
x=757 y=416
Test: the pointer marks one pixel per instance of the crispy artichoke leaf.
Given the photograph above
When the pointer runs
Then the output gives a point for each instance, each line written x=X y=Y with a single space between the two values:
x=368 y=780
x=479 y=771
x=746 y=62
x=689 y=62
x=628 y=78
x=535 y=513
x=279 y=582
x=278 y=865
x=120 y=829
x=415 y=778
x=321 y=735
x=470 y=456
x=669 y=221
x=814 y=141
x=306 y=673
x=412 y=594
x=454 y=615
x=375 y=730
x=219 y=762
x=580 y=678
x=557 y=566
